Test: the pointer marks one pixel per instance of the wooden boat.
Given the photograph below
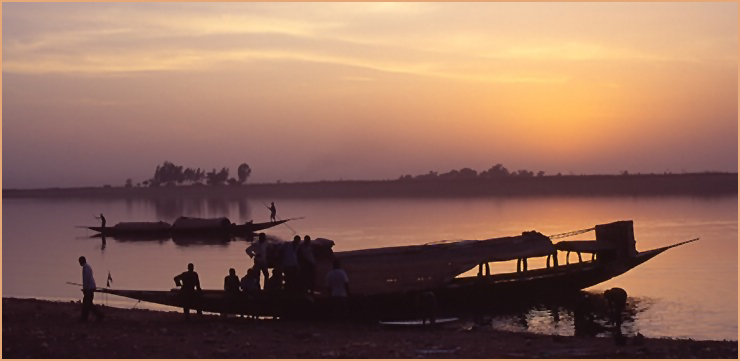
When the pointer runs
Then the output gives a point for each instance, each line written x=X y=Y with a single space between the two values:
x=386 y=282
x=135 y=228
x=184 y=226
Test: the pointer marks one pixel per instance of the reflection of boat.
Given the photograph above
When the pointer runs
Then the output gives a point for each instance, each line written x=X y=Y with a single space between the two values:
x=133 y=237
x=184 y=226
x=186 y=239
x=387 y=280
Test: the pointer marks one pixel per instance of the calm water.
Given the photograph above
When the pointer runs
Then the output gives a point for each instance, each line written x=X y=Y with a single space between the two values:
x=690 y=291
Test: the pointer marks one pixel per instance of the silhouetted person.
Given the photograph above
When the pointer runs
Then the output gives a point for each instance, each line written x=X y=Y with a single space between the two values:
x=231 y=282
x=250 y=283
x=102 y=220
x=583 y=317
x=250 y=286
x=88 y=292
x=616 y=300
x=231 y=287
x=275 y=283
x=307 y=264
x=189 y=284
x=337 y=284
x=289 y=263
x=273 y=211
x=258 y=251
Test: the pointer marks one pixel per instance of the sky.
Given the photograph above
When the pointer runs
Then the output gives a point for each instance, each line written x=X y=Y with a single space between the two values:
x=95 y=93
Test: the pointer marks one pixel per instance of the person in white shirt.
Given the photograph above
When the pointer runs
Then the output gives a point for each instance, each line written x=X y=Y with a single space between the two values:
x=258 y=251
x=337 y=283
x=88 y=292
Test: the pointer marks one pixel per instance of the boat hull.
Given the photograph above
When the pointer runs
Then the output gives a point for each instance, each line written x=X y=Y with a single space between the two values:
x=242 y=230
x=466 y=294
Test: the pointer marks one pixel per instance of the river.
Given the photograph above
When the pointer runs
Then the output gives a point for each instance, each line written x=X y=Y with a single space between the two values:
x=690 y=291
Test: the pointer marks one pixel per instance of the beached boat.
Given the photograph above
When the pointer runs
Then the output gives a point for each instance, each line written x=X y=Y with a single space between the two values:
x=387 y=281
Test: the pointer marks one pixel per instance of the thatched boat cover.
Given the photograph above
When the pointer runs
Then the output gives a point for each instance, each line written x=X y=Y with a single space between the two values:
x=413 y=268
x=142 y=226
x=187 y=223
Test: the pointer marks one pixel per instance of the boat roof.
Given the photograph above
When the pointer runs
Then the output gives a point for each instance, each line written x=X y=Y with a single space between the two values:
x=411 y=268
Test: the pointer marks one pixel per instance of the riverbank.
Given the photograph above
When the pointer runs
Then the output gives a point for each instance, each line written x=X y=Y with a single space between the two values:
x=44 y=329
x=697 y=184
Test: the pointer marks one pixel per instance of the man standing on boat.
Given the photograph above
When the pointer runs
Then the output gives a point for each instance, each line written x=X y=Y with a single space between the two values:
x=102 y=220
x=189 y=282
x=273 y=211
x=88 y=292
x=258 y=251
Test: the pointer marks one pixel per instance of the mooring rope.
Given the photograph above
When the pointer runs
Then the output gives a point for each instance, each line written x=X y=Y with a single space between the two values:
x=571 y=233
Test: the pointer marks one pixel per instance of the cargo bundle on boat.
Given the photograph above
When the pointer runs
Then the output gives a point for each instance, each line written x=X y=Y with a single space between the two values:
x=387 y=281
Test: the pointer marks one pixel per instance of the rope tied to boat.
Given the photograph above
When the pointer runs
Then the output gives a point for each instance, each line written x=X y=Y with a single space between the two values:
x=571 y=233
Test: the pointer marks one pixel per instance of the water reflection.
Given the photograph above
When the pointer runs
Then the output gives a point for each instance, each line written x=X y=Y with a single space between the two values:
x=169 y=209
x=561 y=317
x=182 y=240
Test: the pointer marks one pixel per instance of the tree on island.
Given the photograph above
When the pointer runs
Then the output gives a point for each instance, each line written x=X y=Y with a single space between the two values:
x=171 y=174
x=243 y=172
x=214 y=178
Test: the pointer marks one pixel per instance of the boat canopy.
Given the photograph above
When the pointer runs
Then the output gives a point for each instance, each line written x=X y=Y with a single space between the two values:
x=142 y=226
x=187 y=223
x=415 y=268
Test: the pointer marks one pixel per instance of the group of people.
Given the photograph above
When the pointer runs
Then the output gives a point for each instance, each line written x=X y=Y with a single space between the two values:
x=295 y=264
x=294 y=272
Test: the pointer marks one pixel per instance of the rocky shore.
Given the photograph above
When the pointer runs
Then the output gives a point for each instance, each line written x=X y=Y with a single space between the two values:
x=45 y=329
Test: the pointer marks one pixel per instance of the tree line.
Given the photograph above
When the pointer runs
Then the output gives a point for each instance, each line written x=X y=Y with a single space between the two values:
x=170 y=174
x=497 y=171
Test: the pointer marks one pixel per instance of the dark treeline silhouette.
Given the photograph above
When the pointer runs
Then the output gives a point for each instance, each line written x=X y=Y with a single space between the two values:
x=169 y=174
x=708 y=184
x=497 y=171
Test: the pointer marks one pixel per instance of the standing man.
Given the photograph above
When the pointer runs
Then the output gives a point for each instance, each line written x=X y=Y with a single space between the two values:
x=337 y=283
x=273 y=211
x=307 y=265
x=88 y=292
x=189 y=282
x=102 y=220
x=289 y=262
x=258 y=251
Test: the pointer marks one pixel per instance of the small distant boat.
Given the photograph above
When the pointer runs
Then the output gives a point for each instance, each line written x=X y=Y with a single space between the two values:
x=184 y=226
x=134 y=228
x=387 y=281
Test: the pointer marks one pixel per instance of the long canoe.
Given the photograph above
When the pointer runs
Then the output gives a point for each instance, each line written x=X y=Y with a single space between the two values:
x=463 y=293
x=148 y=231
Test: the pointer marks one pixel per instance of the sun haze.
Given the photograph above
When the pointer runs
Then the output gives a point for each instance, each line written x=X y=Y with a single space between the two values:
x=95 y=93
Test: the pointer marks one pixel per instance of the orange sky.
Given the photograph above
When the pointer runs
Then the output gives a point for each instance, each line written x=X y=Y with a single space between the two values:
x=97 y=93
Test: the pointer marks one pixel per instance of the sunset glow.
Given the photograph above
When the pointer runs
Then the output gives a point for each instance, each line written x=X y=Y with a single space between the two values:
x=94 y=93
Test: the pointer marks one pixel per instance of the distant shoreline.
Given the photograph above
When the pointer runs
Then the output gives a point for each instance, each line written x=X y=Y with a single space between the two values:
x=694 y=184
